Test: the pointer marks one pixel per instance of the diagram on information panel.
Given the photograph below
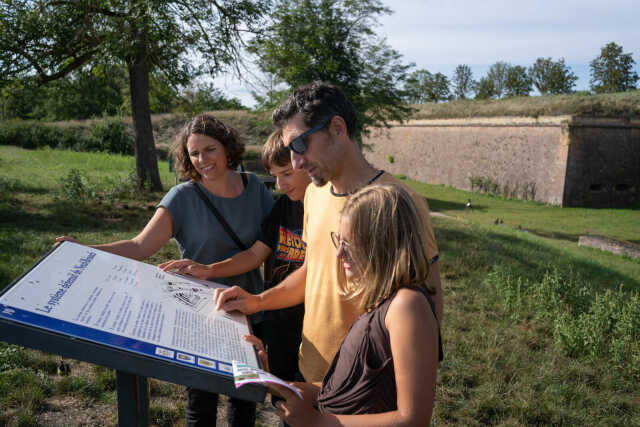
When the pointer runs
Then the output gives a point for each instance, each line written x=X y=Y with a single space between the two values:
x=188 y=294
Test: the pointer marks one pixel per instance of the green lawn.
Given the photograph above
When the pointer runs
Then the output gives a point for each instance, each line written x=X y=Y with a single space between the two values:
x=536 y=330
x=545 y=220
x=34 y=207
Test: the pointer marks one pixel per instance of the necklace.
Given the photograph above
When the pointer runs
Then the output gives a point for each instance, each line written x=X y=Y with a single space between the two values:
x=377 y=175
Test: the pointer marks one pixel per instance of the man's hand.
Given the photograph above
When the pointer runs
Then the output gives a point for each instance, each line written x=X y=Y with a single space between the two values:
x=236 y=298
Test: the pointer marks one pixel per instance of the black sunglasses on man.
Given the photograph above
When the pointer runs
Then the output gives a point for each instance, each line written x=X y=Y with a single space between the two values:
x=297 y=144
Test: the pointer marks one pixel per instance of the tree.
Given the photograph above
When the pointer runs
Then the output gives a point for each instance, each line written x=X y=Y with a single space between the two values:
x=498 y=76
x=414 y=91
x=80 y=95
x=45 y=40
x=552 y=78
x=463 y=83
x=334 y=41
x=270 y=98
x=612 y=71
x=206 y=97
x=423 y=86
x=517 y=82
x=485 y=88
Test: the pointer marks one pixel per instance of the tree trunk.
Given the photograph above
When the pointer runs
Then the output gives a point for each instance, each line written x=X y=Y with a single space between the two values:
x=146 y=160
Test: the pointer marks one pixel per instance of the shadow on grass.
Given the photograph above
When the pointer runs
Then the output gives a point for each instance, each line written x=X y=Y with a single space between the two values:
x=469 y=251
x=28 y=231
x=64 y=217
x=568 y=236
x=556 y=235
x=438 y=205
x=10 y=186
x=8 y=246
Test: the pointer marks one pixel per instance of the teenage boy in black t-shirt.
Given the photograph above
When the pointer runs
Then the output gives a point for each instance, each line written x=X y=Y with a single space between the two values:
x=281 y=237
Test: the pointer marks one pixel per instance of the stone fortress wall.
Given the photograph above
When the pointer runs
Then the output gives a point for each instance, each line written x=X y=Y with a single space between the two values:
x=562 y=160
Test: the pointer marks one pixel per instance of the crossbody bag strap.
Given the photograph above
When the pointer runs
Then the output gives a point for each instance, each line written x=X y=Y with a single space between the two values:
x=221 y=219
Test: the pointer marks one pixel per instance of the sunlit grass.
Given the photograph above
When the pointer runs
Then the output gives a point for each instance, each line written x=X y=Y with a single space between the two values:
x=503 y=367
x=535 y=217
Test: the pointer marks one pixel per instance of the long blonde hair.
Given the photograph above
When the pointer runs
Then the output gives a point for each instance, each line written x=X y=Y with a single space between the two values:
x=388 y=243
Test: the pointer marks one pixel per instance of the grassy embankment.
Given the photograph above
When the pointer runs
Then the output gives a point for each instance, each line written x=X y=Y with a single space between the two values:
x=532 y=336
x=623 y=104
x=253 y=127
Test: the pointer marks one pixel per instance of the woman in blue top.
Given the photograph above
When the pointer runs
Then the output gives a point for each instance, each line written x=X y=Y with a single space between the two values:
x=207 y=153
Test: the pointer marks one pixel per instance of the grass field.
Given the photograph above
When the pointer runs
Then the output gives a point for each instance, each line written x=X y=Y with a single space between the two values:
x=554 y=228
x=537 y=330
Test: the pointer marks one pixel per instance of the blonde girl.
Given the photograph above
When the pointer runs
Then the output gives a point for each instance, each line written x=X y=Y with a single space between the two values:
x=385 y=370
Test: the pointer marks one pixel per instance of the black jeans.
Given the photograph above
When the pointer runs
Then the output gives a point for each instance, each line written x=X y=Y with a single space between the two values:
x=202 y=407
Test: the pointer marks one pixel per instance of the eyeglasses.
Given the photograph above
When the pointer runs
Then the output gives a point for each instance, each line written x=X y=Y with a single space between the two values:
x=297 y=144
x=335 y=238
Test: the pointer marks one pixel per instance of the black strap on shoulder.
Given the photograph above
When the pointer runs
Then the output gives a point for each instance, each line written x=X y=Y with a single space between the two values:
x=218 y=215
x=245 y=180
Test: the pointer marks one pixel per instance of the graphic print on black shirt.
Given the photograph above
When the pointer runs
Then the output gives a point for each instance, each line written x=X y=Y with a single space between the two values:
x=290 y=247
x=282 y=232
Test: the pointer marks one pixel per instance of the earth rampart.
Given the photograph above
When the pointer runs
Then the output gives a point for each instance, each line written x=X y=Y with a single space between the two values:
x=562 y=160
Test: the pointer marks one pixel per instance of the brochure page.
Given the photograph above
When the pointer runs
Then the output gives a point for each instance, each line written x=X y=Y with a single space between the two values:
x=246 y=374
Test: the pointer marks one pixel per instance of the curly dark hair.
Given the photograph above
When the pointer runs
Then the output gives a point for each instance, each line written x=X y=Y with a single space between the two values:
x=317 y=102
x=209 y=125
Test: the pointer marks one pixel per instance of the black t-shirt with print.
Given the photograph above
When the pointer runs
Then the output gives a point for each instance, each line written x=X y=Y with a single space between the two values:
x=282 y=331
x=282 y=232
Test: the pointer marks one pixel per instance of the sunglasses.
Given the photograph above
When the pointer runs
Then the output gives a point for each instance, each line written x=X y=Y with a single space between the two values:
x=297 y=144
x=335 y=238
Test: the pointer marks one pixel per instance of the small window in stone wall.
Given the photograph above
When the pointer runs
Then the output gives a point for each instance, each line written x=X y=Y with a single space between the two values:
x=624 y=187
x=596 y=187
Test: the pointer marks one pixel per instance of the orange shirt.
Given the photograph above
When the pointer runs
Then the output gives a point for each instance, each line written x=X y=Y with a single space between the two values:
x=329 y=315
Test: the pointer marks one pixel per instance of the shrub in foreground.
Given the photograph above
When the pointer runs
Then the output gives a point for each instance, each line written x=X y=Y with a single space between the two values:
x=587 y=323
x=76 y=187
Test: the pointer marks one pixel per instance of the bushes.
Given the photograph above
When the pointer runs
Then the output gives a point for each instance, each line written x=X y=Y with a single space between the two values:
x=76 y=187
x=112 y=137
x=586 y=323
x=108 y=135
x=33 y=135
x=484 y=184
x=487 y=185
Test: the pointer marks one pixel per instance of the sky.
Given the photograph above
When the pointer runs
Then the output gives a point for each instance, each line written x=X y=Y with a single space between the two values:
x=438 y=35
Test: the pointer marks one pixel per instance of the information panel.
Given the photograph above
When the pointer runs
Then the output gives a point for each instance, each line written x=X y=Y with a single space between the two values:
x=108 y=299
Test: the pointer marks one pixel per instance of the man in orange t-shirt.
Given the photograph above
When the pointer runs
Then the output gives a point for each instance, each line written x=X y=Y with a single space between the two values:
x=318 y=125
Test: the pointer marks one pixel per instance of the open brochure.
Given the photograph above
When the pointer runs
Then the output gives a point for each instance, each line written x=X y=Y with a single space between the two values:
x=245 y=374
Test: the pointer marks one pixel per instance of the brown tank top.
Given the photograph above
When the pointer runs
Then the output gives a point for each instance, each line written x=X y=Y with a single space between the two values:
x=361 y=378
